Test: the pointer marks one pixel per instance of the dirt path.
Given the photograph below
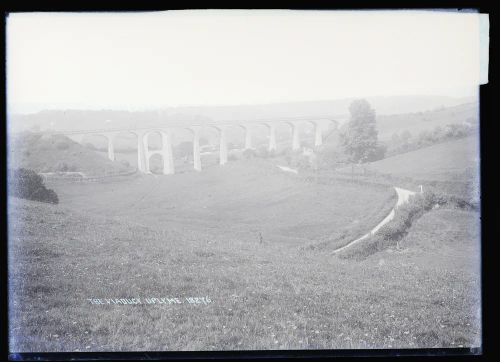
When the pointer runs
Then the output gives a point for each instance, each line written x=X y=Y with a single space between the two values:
x=403 y=196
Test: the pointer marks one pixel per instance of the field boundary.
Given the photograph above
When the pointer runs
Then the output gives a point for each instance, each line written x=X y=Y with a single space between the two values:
x=86 y=178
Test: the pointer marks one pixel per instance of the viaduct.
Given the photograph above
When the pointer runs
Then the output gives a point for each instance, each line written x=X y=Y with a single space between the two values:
x=144 y=153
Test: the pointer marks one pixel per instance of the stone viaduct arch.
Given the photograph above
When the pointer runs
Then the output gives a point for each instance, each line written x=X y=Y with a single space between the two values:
x=144 y=153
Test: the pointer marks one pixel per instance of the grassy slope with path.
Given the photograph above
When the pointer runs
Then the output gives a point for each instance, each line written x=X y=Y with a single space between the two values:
x=264 y=296
x=198 y=235
x=187 y=237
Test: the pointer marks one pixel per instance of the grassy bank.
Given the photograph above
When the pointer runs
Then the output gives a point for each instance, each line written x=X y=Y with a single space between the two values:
x=263 y=295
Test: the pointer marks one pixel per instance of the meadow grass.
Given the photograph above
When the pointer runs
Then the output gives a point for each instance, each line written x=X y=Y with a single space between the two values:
x=437 y=163
x=264 y=294
x=243 y=198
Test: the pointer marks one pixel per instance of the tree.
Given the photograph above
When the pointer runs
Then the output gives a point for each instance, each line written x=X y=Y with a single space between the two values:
x=360 y=140
x=405 y=140
x=406 y=136
x=396 y=140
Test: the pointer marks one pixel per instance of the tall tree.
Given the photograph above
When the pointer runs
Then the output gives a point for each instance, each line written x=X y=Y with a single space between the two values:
x=361 y=137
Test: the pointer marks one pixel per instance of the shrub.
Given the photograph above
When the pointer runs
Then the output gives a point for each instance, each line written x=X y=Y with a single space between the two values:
x=64 y=167
x=232 y=157
x=156 y=168
x=263 y=152
x=378 y=153
x=27 y=184
x=403 y=143
x=298 y=160
x=249 y=153
x=287 y=154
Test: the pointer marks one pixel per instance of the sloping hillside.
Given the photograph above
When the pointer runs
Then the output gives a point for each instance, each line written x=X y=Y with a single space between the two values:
x=440 y=162
x=58 y=153
x=416 y=122
x=448 y=232
x=255 y=295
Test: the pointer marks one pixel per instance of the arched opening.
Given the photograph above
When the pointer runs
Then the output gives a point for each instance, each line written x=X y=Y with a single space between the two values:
x=156 y=164
x=260 y=136
x=284 y=135
x=182 y=149
x=286 y=138
x=209 y=146
x=153 y=140
x=235 y=137
x=125 y=149
x=308 y=133
x=240 y=142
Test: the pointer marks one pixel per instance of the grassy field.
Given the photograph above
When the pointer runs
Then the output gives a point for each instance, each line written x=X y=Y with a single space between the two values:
x=257 y=295
x=243 y=198
x=450 y=167
x=440 y=162
x=234 y=238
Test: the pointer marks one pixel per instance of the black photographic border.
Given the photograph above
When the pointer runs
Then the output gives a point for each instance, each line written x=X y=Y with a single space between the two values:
x=487 y=156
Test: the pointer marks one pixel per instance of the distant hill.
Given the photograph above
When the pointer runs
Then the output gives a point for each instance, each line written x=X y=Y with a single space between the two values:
x=58 y=153
x=338 y=109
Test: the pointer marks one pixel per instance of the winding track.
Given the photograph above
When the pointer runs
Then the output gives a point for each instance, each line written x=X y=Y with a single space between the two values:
x=403 y=196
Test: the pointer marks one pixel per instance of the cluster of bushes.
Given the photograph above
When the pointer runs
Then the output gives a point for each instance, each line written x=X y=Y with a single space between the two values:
x=264 y=152
x=404 y=141
x=296 y=159
x=249 y=153
x=394 y=231
x=331 y=157
x=27 y=184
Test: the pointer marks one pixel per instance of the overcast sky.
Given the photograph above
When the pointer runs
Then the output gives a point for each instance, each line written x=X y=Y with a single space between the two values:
x=147 y=60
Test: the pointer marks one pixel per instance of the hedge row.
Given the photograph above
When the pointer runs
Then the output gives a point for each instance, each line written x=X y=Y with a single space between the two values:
x=395 y=230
